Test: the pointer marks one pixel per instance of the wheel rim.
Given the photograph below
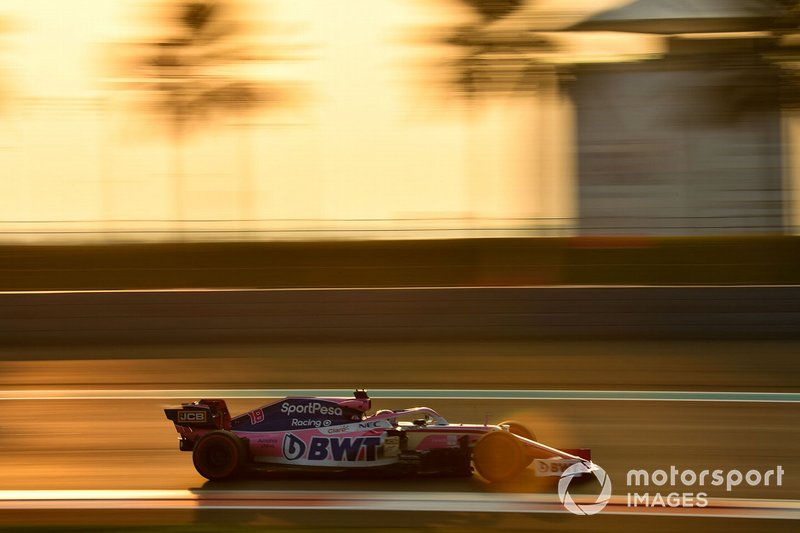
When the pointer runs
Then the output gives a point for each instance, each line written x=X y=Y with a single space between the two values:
x=219 y=457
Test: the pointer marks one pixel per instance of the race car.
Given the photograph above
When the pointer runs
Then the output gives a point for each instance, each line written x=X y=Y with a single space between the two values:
x=338 y=433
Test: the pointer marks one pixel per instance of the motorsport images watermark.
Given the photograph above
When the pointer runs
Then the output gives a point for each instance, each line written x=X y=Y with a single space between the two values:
x=689 y=478
x=672 y=478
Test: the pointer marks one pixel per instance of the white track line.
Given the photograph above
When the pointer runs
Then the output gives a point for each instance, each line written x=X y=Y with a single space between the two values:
x=419 y=394
x=374 y=501
x=381 y=288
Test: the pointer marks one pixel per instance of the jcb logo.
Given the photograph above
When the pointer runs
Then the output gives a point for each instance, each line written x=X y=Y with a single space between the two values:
x=192 y=416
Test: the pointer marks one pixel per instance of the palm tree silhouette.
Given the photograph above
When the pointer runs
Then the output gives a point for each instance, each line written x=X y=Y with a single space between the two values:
x=186 y=73
x=497 y=59
x=499 y=55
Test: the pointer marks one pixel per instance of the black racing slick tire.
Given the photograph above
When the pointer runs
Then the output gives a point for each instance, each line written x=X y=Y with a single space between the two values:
x=498 y=456
x=219 y=455
x=518 y=429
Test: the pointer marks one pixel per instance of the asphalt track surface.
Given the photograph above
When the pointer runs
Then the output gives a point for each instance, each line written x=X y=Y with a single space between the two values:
x=64 y=444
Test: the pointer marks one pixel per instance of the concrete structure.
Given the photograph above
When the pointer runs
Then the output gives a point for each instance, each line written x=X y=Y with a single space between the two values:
x=690 y=143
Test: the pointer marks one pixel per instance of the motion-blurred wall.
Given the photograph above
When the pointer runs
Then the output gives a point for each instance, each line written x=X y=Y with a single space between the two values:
x=401 y=314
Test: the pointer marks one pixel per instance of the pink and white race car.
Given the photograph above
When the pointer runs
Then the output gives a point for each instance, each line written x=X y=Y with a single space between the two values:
x=337 y=433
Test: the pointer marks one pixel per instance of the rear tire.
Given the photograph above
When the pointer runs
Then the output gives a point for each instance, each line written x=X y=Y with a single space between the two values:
x=219 y=455
x=498 y=456
x=518 y=429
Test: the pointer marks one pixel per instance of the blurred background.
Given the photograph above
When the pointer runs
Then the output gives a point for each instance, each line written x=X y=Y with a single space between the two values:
x=408 y=142
x=264 y=119
x=542 y=195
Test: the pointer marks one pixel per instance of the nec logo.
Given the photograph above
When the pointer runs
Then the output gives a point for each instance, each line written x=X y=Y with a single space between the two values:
x=192 y=416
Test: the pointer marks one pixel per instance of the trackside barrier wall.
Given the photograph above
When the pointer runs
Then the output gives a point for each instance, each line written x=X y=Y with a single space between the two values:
x=400 y=314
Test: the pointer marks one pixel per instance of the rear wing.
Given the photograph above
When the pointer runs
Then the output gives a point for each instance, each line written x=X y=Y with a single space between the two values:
x=207 y=414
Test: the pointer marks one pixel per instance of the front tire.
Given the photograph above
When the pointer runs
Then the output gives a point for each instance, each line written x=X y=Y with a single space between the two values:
x=219 y=455
x=498 y=456
x=518 y=429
